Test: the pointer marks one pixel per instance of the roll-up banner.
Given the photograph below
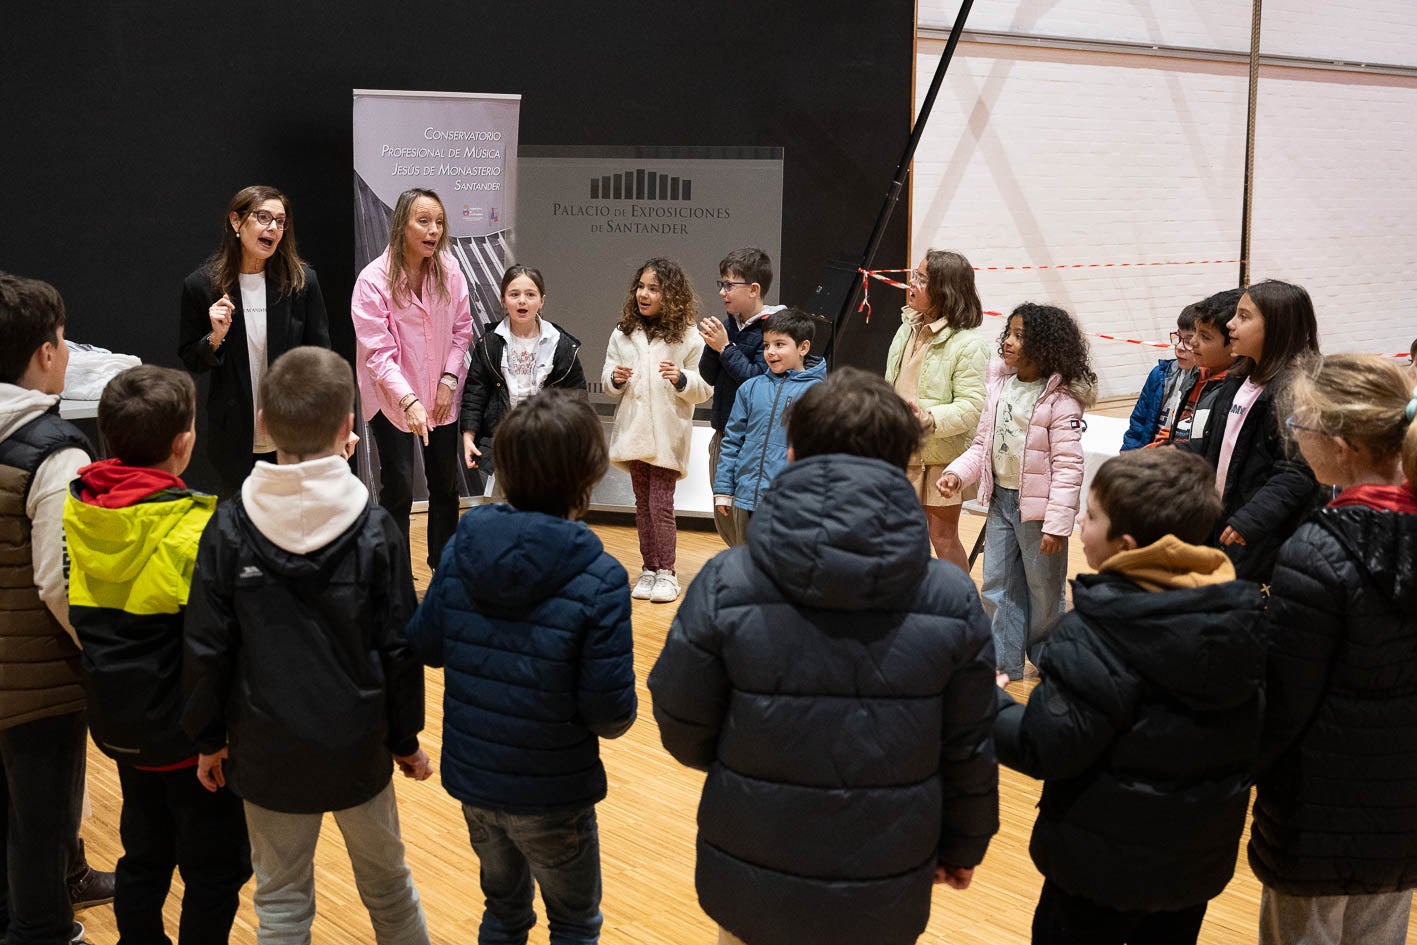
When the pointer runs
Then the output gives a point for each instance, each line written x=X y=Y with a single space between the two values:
x=463 y=146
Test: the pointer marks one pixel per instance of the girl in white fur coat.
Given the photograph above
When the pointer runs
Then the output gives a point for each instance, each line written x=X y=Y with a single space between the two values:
x=652 y=368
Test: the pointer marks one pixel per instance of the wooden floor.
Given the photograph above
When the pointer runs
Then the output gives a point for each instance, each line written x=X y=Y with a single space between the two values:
x=647 y=831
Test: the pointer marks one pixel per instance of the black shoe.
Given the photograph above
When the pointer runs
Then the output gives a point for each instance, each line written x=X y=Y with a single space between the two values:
x=76 y=937
x=90 y=888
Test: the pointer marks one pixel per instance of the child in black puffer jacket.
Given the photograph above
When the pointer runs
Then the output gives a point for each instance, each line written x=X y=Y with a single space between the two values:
x=1335 y=833
x=1146 y=722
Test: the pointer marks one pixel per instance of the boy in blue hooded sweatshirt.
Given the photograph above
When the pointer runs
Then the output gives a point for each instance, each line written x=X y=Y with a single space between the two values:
x=754 y=447
x=530 y=618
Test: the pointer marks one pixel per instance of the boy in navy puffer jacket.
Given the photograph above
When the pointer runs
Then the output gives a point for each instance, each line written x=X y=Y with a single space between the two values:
x=835 y=682
x=530 y=618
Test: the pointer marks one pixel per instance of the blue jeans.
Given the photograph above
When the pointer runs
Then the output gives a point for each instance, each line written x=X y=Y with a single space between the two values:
x=560 y=850
x=1023 y=588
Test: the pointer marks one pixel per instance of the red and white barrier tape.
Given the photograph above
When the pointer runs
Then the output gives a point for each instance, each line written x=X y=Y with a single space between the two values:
x=878 y=274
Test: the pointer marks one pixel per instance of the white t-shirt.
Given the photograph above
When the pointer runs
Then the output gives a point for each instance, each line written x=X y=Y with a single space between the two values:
x=253 y=312
x=1011 y=417
x=519 y=365
x=1245 y=398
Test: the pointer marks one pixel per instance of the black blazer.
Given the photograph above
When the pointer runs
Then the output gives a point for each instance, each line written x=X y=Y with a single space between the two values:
x=291 y=321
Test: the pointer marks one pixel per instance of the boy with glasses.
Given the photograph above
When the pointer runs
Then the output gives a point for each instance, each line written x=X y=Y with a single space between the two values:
x=1210 y=349
x=1161 y=394
x=733 y=352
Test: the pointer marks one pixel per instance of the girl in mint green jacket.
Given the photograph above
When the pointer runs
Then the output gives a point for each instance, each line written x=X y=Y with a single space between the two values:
x=936 y=364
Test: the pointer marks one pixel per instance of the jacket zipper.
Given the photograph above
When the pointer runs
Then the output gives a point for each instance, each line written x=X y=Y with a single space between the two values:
x=763 y=457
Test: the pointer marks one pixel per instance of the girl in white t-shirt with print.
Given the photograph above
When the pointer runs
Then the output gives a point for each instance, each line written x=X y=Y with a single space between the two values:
x=514 y=359
x=1027 y=458
x=1266 y=487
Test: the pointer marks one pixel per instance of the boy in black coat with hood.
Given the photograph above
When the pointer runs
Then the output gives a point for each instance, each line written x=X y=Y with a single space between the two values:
x=296 y=664
x=1145 y=725
x=836 y=682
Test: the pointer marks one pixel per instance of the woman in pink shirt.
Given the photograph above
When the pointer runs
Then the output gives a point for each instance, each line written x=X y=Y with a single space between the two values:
x=413 y=325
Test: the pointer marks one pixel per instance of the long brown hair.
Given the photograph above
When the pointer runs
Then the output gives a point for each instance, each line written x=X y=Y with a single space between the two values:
x=400 y=276
x=950 y=289
x=285 y=268
x=677 y=313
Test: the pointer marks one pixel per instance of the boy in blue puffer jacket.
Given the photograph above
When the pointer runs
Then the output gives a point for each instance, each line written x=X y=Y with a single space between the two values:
x=530 y=618
x=754 y=447
x=1161 y=394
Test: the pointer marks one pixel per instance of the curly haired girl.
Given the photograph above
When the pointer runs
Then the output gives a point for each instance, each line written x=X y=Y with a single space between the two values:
x=651 y=367
x=1027 y=458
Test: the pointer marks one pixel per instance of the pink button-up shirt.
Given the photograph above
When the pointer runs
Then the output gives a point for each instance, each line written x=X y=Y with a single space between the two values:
x=405 y=348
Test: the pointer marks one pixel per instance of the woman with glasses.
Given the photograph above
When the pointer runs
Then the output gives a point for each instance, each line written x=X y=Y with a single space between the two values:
x=250 y=302
x=936 y=364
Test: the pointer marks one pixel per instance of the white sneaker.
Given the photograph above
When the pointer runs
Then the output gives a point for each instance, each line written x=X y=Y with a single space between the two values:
x=666 y=588
x=644 y=586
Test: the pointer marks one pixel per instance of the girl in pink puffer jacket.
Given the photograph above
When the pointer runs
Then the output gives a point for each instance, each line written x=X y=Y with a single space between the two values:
x=1027 y=458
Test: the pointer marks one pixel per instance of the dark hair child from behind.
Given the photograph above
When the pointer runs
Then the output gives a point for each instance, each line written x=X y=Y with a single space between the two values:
x=1145 y=724
x=1341 y=625
x=760 y=684
x=529 y=617
x=42 y=723
x=1027 y=458
x=132 y=530
x=1266 y=487
x=754 y=446
x=1161 y=395
x=302 y=690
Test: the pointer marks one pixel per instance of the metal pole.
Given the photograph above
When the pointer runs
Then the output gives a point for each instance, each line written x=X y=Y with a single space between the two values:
x=1245 y=216
x=902 y=171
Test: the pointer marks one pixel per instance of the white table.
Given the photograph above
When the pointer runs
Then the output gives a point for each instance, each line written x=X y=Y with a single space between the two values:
x=1100 y=442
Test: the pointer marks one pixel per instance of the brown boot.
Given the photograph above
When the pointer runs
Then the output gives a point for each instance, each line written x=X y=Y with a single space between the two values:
x=88 y=886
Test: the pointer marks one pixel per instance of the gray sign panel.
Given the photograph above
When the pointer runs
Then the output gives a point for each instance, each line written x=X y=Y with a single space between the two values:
x=588 y=216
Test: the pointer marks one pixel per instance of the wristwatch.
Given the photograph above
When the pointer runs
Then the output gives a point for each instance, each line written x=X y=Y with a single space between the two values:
x=450 y=381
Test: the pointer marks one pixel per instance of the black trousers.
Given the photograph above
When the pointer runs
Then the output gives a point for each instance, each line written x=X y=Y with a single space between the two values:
x=43 y=775
x=1064 y=919
x=440 y=468
x=170 y=821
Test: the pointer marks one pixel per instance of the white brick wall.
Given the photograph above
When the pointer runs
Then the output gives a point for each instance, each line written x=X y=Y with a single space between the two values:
x=1377 y=31
x=1037 y=156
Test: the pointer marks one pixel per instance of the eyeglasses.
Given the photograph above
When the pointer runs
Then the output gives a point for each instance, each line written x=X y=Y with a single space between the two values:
x=1294 y=426
x=266 y=218
x=1179 y=342
x=918 y=278
x=726 y=286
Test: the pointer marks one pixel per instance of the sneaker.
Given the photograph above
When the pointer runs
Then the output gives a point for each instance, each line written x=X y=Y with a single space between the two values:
x=76 y=937
x=90 y=888
x=666 y=587
x=644 y=586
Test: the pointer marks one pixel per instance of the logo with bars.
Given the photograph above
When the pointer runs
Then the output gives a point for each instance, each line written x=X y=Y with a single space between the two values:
x=641 y=184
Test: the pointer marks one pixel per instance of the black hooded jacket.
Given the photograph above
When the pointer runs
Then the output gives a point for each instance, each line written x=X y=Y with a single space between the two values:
x=1336 y=809
x=838 y=686
x=299 y=662
x=1145 y=728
